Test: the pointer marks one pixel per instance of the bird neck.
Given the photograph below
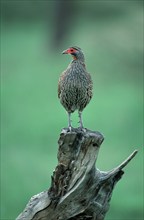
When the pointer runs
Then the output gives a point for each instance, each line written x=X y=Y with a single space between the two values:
x=78 y=62
x=79 y=57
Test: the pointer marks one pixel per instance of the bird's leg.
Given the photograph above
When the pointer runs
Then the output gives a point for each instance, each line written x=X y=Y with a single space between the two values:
x=80 y=121
x=69 y=121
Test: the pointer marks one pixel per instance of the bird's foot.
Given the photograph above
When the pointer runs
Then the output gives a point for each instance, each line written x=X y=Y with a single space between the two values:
x=81 y=128
x=69 y=128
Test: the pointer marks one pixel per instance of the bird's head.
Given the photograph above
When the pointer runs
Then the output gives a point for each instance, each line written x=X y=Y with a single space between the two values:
x=76 y=53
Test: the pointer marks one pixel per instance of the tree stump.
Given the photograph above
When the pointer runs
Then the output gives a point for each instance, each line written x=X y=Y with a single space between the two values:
x=79 y=191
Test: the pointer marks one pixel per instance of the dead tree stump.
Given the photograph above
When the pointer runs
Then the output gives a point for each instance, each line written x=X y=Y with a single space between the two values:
x=79 y=191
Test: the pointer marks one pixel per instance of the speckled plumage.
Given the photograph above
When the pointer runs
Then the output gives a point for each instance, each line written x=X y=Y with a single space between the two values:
x=75 y=84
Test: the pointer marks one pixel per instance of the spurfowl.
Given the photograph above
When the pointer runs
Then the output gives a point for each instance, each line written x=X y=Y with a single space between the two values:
x=75 y=85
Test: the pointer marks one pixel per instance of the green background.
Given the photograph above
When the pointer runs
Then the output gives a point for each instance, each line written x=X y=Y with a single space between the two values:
x=111 y=35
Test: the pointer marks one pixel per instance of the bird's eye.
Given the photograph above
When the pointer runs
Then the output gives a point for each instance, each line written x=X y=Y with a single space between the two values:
x=71 y=50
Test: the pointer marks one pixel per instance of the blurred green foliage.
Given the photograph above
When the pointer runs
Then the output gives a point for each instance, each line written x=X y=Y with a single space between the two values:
x=110 y=34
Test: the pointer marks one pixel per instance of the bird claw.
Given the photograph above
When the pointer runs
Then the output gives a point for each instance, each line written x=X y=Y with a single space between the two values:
x=69 y=128
x=81 y=128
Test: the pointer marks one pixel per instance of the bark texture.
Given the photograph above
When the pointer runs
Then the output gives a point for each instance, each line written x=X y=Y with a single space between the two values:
x=79 y=191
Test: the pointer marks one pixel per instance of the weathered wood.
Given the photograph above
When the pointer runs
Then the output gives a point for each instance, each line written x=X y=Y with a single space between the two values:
x=78 y=191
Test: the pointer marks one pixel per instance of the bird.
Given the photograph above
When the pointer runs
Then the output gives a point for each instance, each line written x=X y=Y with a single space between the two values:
x=75 y=86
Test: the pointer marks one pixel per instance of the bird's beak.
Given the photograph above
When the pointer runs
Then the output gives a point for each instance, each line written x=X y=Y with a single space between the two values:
x=65 y=52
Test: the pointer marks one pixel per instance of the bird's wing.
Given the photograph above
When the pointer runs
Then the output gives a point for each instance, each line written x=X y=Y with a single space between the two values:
x=60 y=83
x=90 y=85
